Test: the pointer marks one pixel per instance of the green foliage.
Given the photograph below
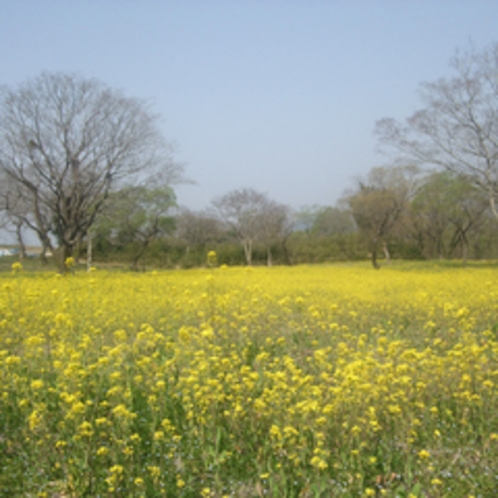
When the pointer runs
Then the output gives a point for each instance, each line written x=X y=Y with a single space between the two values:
x=135 y=217
x=448 y=211
x=395 y=213
x=308 y=249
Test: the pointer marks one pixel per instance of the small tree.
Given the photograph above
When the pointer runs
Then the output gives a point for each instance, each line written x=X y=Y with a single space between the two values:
x=243 y=212
x=196 y=229
x=136 y=216
x=447 y=209
x=275 y=227
x=378 y=203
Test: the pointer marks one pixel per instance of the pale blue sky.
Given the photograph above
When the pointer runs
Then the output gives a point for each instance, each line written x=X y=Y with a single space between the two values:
x=279 y=95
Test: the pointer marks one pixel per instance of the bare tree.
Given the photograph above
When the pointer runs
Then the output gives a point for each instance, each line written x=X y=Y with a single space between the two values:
x=196 y=229
x=67 y=142
x=457 y=128
x=243 y=211
x=276 y=225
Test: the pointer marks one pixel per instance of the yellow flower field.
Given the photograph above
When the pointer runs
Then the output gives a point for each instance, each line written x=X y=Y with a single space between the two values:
x=301 y=382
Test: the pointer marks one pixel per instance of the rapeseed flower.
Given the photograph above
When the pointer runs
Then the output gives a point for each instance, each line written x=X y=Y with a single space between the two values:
x=313 y=372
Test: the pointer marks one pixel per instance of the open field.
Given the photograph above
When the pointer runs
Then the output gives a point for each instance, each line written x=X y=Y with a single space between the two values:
x=306 y=381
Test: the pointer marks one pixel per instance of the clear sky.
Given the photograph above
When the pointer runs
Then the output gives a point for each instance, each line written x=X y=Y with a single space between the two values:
x=278 y=95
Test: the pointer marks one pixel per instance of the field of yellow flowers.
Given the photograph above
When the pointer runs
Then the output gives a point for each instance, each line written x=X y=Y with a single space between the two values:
x=232 y=382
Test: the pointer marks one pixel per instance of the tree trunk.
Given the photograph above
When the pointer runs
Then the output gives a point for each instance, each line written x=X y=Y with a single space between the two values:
x=285 y=251
x=43 y=253
x=492 y=203
x=138 y=255
x=269 y=258
x=77 y=250
x=46 y=246
x=41 y=229
x=20 y=241
x=387 y=255
x=88 y=251
x=65 y=251
x=465 y=249
x=374 y=256
x=248 y=251
x=374 y=260
x=439 y=248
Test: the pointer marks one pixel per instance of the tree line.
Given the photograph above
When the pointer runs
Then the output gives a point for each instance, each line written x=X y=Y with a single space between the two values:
x=400 y=212
x=87 y=169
